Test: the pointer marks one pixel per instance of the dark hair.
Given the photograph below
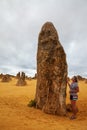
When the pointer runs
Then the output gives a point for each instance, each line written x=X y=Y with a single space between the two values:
x=75 y=78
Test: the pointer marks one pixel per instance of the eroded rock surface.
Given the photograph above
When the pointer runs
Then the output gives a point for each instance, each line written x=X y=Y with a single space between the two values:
x=51 y=72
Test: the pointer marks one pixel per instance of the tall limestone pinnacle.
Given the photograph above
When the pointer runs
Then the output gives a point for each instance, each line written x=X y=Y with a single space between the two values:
x=51 y=72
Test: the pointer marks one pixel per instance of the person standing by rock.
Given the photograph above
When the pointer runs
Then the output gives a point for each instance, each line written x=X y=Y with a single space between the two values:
x=74 y=89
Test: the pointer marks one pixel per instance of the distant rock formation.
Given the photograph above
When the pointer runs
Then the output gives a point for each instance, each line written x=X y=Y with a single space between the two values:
x=51 y=72
x=1 y=75
x=21 y=79
x=18 y=75
x=86 y=81
x=35 y=77
x=80 y=77
x=6 y=78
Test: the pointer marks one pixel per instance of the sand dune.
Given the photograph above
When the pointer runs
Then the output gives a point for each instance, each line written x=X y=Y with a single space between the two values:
x=16 y=115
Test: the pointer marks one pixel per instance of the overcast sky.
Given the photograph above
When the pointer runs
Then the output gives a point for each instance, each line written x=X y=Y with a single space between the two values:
x=20 y=24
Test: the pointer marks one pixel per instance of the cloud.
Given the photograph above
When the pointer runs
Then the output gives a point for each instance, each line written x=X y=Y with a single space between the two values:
x=20 y=24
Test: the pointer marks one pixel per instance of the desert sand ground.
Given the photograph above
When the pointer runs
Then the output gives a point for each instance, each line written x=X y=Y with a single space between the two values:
x=16 y=115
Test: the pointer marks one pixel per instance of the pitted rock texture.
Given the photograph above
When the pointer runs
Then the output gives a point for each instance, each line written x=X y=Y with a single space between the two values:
x=51 y=72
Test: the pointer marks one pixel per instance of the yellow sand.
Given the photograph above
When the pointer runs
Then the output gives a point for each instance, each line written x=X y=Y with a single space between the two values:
x=16 y=115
